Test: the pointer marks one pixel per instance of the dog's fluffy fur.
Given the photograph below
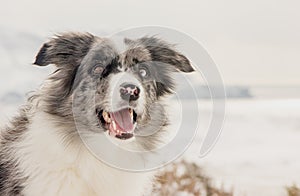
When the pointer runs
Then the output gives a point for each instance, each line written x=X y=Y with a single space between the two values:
x=41 y=150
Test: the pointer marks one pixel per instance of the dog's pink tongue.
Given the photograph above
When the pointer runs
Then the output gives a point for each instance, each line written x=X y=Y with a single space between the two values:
x=123 y=120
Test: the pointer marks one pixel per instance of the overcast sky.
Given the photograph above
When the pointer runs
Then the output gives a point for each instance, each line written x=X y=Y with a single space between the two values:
x=253 y=42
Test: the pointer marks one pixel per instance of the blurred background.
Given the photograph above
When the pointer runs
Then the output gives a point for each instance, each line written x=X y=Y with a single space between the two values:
x=256 y=45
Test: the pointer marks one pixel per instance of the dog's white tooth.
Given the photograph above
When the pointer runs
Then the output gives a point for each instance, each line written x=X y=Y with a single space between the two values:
x=104 y=113
x=114 y=125
x=106 y=118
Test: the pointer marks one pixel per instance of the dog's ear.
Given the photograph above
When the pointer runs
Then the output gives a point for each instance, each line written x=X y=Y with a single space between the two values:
x=164 y=52
x=65 y=50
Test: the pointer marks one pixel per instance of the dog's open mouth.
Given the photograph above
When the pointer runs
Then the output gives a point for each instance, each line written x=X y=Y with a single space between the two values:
x=120 y=124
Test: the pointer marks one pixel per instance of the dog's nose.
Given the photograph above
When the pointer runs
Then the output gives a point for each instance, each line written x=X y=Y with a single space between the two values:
x=129 y=92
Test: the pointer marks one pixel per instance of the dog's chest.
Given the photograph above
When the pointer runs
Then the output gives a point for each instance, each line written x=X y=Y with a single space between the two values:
x=54 y=169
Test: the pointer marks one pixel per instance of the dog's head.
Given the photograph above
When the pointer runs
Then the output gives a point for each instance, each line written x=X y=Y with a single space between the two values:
x=114 y=92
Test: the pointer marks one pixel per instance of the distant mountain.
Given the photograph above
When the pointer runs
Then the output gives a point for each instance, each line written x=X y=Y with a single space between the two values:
x=203 y=92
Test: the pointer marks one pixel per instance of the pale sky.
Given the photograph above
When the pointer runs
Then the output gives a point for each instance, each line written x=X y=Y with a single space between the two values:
x=253 y=42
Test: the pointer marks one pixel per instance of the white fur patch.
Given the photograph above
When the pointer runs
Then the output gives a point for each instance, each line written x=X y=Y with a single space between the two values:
x=56 y=169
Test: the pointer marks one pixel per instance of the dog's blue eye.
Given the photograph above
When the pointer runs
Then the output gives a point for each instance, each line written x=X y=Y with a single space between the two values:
x=143 y=72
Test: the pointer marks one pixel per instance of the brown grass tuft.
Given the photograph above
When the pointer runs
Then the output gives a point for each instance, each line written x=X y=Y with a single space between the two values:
x=185 y=178
x=293 y=190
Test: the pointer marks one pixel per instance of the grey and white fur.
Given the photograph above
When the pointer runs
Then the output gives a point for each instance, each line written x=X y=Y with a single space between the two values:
x=41 y=152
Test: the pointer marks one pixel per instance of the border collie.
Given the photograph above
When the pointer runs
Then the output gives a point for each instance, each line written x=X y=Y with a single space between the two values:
x=42 y=149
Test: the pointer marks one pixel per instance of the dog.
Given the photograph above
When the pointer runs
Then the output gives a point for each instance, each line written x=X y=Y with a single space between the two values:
x=95 y=89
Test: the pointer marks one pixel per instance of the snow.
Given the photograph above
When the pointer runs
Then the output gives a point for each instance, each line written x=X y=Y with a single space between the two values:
x=258 y=151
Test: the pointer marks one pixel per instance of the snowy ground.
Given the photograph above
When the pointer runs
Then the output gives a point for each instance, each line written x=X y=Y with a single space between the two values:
x=258 y=151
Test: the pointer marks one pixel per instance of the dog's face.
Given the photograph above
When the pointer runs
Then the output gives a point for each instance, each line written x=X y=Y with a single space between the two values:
x=106 y=90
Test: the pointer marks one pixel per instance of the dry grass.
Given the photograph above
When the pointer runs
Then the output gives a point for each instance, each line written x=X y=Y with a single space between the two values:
x=293 y=190
x=185 y=178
